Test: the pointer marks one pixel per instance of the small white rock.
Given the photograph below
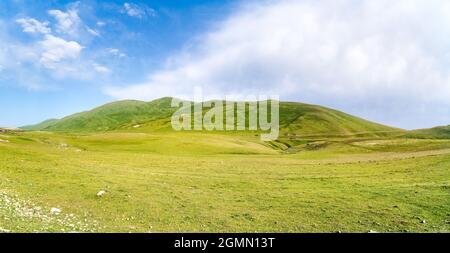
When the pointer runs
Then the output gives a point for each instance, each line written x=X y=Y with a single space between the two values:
x=2 y=230
x=55 y=211
x=101 y=193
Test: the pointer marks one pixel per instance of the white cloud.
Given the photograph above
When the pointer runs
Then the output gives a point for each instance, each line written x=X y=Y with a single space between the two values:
x=138 y=11
x=17 y=62
x=68 y=22
x=116 y=52
x=113 y=51
x=31 y=25
x=93 y=32
x=56 y=49
x=53 y=54
x=317 y=51
x=100 y=68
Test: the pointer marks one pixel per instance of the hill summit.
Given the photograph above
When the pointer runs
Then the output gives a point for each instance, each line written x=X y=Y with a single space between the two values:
x=296 y=119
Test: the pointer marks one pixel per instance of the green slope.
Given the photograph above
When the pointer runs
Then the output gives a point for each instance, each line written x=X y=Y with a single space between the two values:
x=441 y=132
x=112 y=116
x=43 y=125
x=296 y=119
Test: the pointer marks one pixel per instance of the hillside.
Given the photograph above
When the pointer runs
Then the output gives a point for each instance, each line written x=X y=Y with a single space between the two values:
x=441 y=132
x=110 y=116
x=296 y=119
x=313 y=120
x=40 y=126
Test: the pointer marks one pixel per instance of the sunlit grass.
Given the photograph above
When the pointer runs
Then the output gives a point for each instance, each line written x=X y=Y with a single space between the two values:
x=192 y=182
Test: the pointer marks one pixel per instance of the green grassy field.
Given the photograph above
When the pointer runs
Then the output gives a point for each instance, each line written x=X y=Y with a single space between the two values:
x=328 y=171
x=166 y=181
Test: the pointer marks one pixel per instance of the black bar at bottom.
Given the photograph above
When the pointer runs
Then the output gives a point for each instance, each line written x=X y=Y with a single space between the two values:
x=199 y=242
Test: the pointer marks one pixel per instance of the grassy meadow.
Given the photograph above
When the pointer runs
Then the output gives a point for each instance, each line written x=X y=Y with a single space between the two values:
x=163 y=181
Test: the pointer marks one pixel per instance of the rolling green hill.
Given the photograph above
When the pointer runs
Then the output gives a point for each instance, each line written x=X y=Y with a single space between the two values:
x=110 y=116
x=296 y=119
x=441 y=132
x=40 y=126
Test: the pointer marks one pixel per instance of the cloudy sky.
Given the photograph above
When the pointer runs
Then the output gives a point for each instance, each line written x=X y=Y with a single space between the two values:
x=387 y=61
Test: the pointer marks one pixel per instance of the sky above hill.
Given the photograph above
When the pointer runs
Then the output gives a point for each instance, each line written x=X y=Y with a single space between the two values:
x=387 y=61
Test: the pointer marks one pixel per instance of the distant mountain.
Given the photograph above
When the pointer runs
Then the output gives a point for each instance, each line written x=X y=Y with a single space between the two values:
x=441 y=132
x=40 y=126
x=296 y=119
x=9 y=129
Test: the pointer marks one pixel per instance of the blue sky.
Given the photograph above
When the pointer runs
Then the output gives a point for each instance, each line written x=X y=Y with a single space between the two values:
x=382 y=60
x=123 y=45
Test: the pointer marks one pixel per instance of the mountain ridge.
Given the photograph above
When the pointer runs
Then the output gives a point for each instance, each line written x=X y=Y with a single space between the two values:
x=296 y=119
